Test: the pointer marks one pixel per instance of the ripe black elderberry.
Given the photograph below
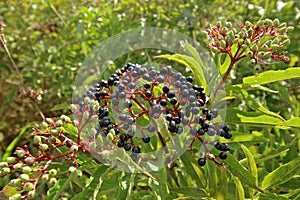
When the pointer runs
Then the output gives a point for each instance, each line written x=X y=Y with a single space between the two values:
x=127 y=146
x=162 y=93
x=146 y=139
x=201 y=161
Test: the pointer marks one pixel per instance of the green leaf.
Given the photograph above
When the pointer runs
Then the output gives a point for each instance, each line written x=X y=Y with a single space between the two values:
x=93 y=187
x=235 y=116
x=241 y=93
x=267 y=155
x=163 y=189
x=192 y=64
x=196 y=174
x=271 y=196
x=126 y=182
x=236 y=169
x=251 y=163
x=252 y=166
x=55 y=192
x=195 y=54
x=282 y=174
x=14 y=143
x=240 y=193
x=189 y=192
x=272 y=76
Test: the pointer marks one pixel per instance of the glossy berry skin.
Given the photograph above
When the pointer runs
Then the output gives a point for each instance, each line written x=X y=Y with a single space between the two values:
x=163 y=102
x=223 y=155
x=136 y=150
x=179 y=130
x=123 y=137
x=147 y=86
x=173 y=100
x=127 y=146
x=148 y=94
x=189 y=79
x=227 y=135
x=170 y=94
x=201 y=161
x=146 y=139
x=166 y=89
x=120 y=144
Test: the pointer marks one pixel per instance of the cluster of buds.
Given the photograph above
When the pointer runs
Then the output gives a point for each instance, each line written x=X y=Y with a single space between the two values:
x=30 y=171
x=260 y=42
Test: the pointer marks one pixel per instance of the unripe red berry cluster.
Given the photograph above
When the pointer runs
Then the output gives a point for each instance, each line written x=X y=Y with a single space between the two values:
x=261 y=42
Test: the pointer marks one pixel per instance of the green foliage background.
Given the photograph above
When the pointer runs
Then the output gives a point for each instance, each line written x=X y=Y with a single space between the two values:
x=50 y=39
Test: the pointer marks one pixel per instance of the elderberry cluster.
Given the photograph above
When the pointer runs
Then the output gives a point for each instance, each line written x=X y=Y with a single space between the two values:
x=134 y=100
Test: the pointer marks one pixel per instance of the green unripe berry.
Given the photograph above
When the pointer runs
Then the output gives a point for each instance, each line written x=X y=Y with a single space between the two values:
x=224 y=30
x=92 y=145
x=249 y=54
x=264 y=48
x=72 y=169
x=219 y=24
x=26 y=170
x=76 y=122
x=37 y=139
x=215 y=50
x=78 y=173
x=18 y=167
x=230 y=34
x=86 y=114
x=236 y=40
x=255 y=47
x=29 y=161
x=290 y=28
x=53 y=172
x=49 y=120
x=44 y=124
x=228 y=24
x=58 y=123
x=276 y=22
x=24 y=177
x=11 y=160
x=248 y=24
x=28 y=186
x=274 y=46
x=54 y=131
x=110 y=136
x=65 y=118
x=283 y=30
x=17 y=182
x=74 y=107
x=284 y=24
x=275 y=41
x=286 y=42
x=3 y=164
x=267 y=55
x=87 y=100
x=52 y=181
x=5 y=170
x=223 y=44
x=74 y=148
x=15 y=197
x=268 y=22
x=252 y=62
x=260 y=54
x=44 y=147
x=45 y=177
x=260 y=23
x=31 y=194
x=20 y=153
